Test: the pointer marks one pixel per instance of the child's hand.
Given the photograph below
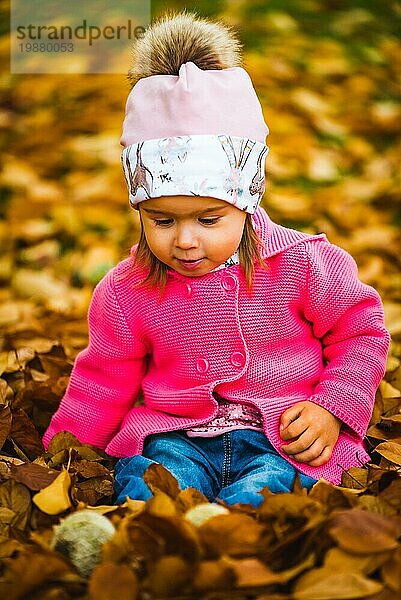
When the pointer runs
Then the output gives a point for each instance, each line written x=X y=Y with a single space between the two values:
x=314 y=431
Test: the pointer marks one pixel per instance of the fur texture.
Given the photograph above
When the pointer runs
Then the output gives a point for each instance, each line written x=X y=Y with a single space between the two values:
x=184 y=37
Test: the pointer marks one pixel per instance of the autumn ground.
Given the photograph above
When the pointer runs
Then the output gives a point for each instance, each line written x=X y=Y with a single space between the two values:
x=328 y=75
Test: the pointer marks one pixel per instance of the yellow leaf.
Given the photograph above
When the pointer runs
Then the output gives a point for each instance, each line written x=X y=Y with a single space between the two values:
x=55 y=499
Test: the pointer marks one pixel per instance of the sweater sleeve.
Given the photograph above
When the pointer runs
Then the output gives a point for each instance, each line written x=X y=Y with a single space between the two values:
x=347 y=316
x=106 y=377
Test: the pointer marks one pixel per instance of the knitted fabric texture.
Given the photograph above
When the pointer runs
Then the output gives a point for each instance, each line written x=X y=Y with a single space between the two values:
x=310 y=331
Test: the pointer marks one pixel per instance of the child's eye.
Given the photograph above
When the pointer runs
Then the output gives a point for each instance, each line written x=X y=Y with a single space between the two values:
x=209 y=221
x=162 y=222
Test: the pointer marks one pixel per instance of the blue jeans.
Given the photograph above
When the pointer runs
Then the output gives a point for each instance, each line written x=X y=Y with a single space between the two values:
x=233 y=466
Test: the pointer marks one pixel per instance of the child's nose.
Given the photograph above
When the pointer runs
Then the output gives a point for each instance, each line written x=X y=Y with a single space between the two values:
x=186 y=237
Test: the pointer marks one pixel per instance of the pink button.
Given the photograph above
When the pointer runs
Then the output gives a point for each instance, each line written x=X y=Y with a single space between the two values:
x=229 y=282
x=188 y=290
x=202 y=365
x=237 y=359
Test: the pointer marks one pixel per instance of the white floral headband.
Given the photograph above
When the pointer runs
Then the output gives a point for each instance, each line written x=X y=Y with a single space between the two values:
x=221 y=166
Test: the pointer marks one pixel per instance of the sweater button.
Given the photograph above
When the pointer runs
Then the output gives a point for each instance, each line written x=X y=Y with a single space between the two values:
x=188 y=290
x=229 y=283
x=237 y=359
x=202 y=365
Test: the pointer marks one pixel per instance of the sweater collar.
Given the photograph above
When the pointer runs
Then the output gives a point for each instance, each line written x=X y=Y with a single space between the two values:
x=277 y=238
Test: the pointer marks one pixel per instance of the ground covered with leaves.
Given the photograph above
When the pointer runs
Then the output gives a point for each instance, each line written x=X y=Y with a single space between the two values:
x=328 y=75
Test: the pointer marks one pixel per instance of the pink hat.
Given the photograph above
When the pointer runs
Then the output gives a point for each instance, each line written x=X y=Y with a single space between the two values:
x=201 y=132
x=193 y=103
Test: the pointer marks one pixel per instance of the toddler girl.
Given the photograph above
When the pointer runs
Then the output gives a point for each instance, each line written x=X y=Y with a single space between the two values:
x=257 y=349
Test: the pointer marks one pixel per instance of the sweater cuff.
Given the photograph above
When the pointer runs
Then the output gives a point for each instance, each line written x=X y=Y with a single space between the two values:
x=357 y=424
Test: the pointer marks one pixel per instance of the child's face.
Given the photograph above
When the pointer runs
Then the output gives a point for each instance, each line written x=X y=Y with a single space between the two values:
x=181 y=229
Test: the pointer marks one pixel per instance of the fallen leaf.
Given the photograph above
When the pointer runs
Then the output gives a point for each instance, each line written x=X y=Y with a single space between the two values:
x=214 y=575
x=113 y=581
x=5 y=414
x=16 y=497
x=391 y=451
x=361 y=532
x=326 y=585
x=391 y=571
x=24 y=434
x=251 y=572
x=159 y=479
x=168 y=576
x=54 y=498
x=235 y=534
x=34 y=476
x=29 y=571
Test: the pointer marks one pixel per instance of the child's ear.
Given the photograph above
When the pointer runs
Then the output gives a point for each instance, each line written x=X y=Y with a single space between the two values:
x=176 y=39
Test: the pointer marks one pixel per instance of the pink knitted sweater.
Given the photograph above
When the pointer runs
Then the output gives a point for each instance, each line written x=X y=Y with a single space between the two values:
x=310 y=331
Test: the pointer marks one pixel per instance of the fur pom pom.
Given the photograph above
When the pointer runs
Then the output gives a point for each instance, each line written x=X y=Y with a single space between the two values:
x=176 y=39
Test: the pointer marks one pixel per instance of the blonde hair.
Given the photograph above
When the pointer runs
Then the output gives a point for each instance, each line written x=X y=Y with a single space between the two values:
x=248 y=254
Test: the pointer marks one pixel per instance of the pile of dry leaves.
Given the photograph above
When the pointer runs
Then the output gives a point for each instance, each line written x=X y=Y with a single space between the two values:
x=335 y=542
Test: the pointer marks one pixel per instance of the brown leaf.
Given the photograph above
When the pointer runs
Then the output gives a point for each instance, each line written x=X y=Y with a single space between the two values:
x=374 y=504
x=392 y=423
x=189 y=498
x=214 y=575
x=24 y=434
x=332 y=497
x=251 y=572
x=326 y=585
x=290 y=505
x=5 y=414
x=169 y=576
x=87 y=453
x=379 y=434
x=159 y=479
x=172 y=535
x=361 y=532
x=392 y=494
x=92 y=490
x=62 y=441
x=338 y=560
x=235 y=534
x=74 y=453
x=391 y=451
x=10 y=547
x=34 y=476
x=355 y=478
x=17 y=498
x=391 y=571
x=7 y=518
x=29 y=571
x=161 y=505
x=89 y=468
x=395 y=378
x=55 y=363
x=113 y=581
x=133 y=539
